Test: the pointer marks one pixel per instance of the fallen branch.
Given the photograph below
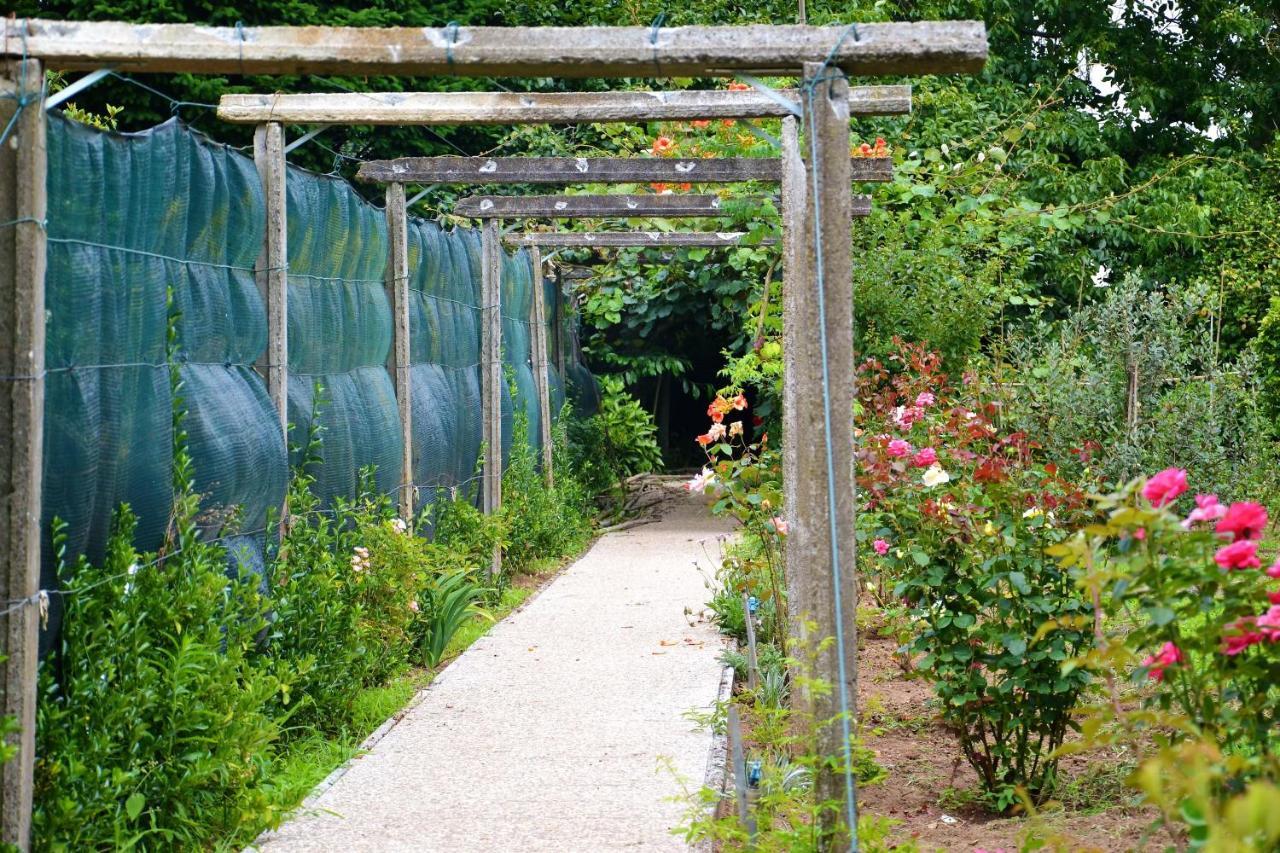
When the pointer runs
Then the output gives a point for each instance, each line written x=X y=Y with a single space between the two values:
x=627 y=525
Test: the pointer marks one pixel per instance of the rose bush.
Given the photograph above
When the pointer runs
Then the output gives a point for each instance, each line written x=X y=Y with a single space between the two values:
x=1184 y=606
x=959 y=516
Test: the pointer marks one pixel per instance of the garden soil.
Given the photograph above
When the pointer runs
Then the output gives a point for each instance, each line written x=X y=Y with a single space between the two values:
x=931 y=788
x=564 y=728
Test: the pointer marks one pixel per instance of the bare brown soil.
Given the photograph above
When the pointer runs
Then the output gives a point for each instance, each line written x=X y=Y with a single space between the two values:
x=932 y=790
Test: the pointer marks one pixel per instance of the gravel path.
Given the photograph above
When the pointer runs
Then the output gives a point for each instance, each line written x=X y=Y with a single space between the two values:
x=556 y=730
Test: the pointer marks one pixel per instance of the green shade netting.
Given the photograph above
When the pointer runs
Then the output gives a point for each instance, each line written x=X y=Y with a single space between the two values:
x=134 y=217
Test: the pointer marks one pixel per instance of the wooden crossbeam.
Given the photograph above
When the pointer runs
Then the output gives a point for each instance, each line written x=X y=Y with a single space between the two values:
x=924 y=47
x=627 y=239
x=508 y=108
x=602 y=206
x=594 y=170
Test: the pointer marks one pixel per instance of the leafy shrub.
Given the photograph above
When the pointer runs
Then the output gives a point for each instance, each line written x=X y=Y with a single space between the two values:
x=541 y=522
x=344 y=583
x=1137 y=379
x=466 y=531
x=1186 y=607
x=628 y=433
x=154 y=726
x=964 y=545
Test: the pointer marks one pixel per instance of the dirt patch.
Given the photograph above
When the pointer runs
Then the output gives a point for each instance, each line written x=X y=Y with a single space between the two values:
x=931 y=788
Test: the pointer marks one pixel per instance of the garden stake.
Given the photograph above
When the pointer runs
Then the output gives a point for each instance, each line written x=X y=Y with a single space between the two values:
x=740 y=772
x=753 y=667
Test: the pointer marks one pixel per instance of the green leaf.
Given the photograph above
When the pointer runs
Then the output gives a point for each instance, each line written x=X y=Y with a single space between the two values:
x=1019 y=582
x=1015 y=644
x=133 y=805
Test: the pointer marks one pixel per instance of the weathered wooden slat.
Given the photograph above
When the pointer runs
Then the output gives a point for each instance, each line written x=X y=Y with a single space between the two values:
x=272 y=272
x=627 y=239
x=595 y=170
x=462 y=108
x=491 y=375
x=23 y=207
x=398 y=356
x=538 y=355
x=925 y=47
x=602 y=206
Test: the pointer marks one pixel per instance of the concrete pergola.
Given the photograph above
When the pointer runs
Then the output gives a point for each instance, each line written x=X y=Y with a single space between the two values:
x=817 y=205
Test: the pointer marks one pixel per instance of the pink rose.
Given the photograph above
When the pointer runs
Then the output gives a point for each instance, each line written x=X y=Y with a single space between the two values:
x=1241 y=637
x=925 y=458
x=925 y=398
x=904 y=417
x=898 y=448
x=1239 y=555
x=1164 y=488
x=881 y=546
x=1274 y=570
x=1243 y=520
x=1156 y=664
x=1140 y=534
x=780 y=524
x=1207 y=509
x=1270 y=623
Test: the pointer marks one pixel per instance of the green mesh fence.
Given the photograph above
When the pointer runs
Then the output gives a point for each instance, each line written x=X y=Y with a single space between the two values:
x=340 y=333
x=551 y=301
x=444 y=333
x=132 y=217
x=517 y=349
x=135 y=217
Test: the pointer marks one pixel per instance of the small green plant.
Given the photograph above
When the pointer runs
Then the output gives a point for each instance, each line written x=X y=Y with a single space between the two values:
x=541 y=522
x=467 y=532
x=629 y=433
x=448 y=602
x=787 y=810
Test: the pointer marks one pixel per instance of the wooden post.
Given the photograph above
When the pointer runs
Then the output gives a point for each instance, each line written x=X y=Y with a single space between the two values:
x=491 y=377
x=819 y=400
x=797 y=277
x=538 y=343
x=273 y=266
x=22 y=335
x=398 y=356
x=559 y=326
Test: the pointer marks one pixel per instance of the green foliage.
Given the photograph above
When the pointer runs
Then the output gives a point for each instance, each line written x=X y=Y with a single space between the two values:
x=156 y=733
x=962 y=515
x=155 y=728
x=540 y=522
x=448 y=601
x=468 y=533
x=1137 y=380
x=785 y=741
x=629 y=431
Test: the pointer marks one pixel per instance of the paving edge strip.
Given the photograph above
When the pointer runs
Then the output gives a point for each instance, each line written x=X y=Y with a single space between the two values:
x=718 y=777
